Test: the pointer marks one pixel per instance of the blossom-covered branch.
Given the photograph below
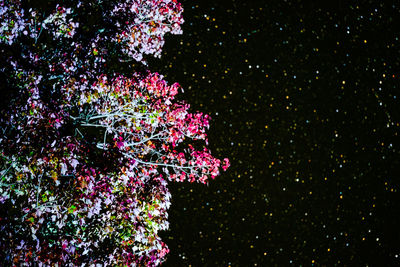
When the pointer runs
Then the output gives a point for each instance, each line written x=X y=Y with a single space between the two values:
x=145 y=125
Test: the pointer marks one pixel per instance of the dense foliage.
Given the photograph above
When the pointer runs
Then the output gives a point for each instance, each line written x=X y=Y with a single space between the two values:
x=90 y=137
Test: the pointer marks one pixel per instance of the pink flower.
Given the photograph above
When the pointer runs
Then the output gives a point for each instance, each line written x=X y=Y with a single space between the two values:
x=120 y=144
x=226 y=164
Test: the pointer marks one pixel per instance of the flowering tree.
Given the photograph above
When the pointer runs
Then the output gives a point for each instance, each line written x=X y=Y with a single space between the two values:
x=86 y=152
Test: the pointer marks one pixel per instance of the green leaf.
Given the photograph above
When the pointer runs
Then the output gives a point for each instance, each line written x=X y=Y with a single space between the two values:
x=71 y=209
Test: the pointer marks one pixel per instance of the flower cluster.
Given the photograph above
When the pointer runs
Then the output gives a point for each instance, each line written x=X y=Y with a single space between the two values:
x=58 y=24
x=12 y=22
x=147 y=23
x=84 y=217
x=139 y=116
x=85 y=157
x=138 y=27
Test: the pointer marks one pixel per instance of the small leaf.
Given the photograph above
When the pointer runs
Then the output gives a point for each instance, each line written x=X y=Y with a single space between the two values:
x=71 y=209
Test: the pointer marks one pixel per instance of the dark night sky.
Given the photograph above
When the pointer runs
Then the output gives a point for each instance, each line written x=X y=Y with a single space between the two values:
x=305 y=102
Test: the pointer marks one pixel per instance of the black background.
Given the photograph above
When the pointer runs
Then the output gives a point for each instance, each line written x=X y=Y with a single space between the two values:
x=305 y=103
